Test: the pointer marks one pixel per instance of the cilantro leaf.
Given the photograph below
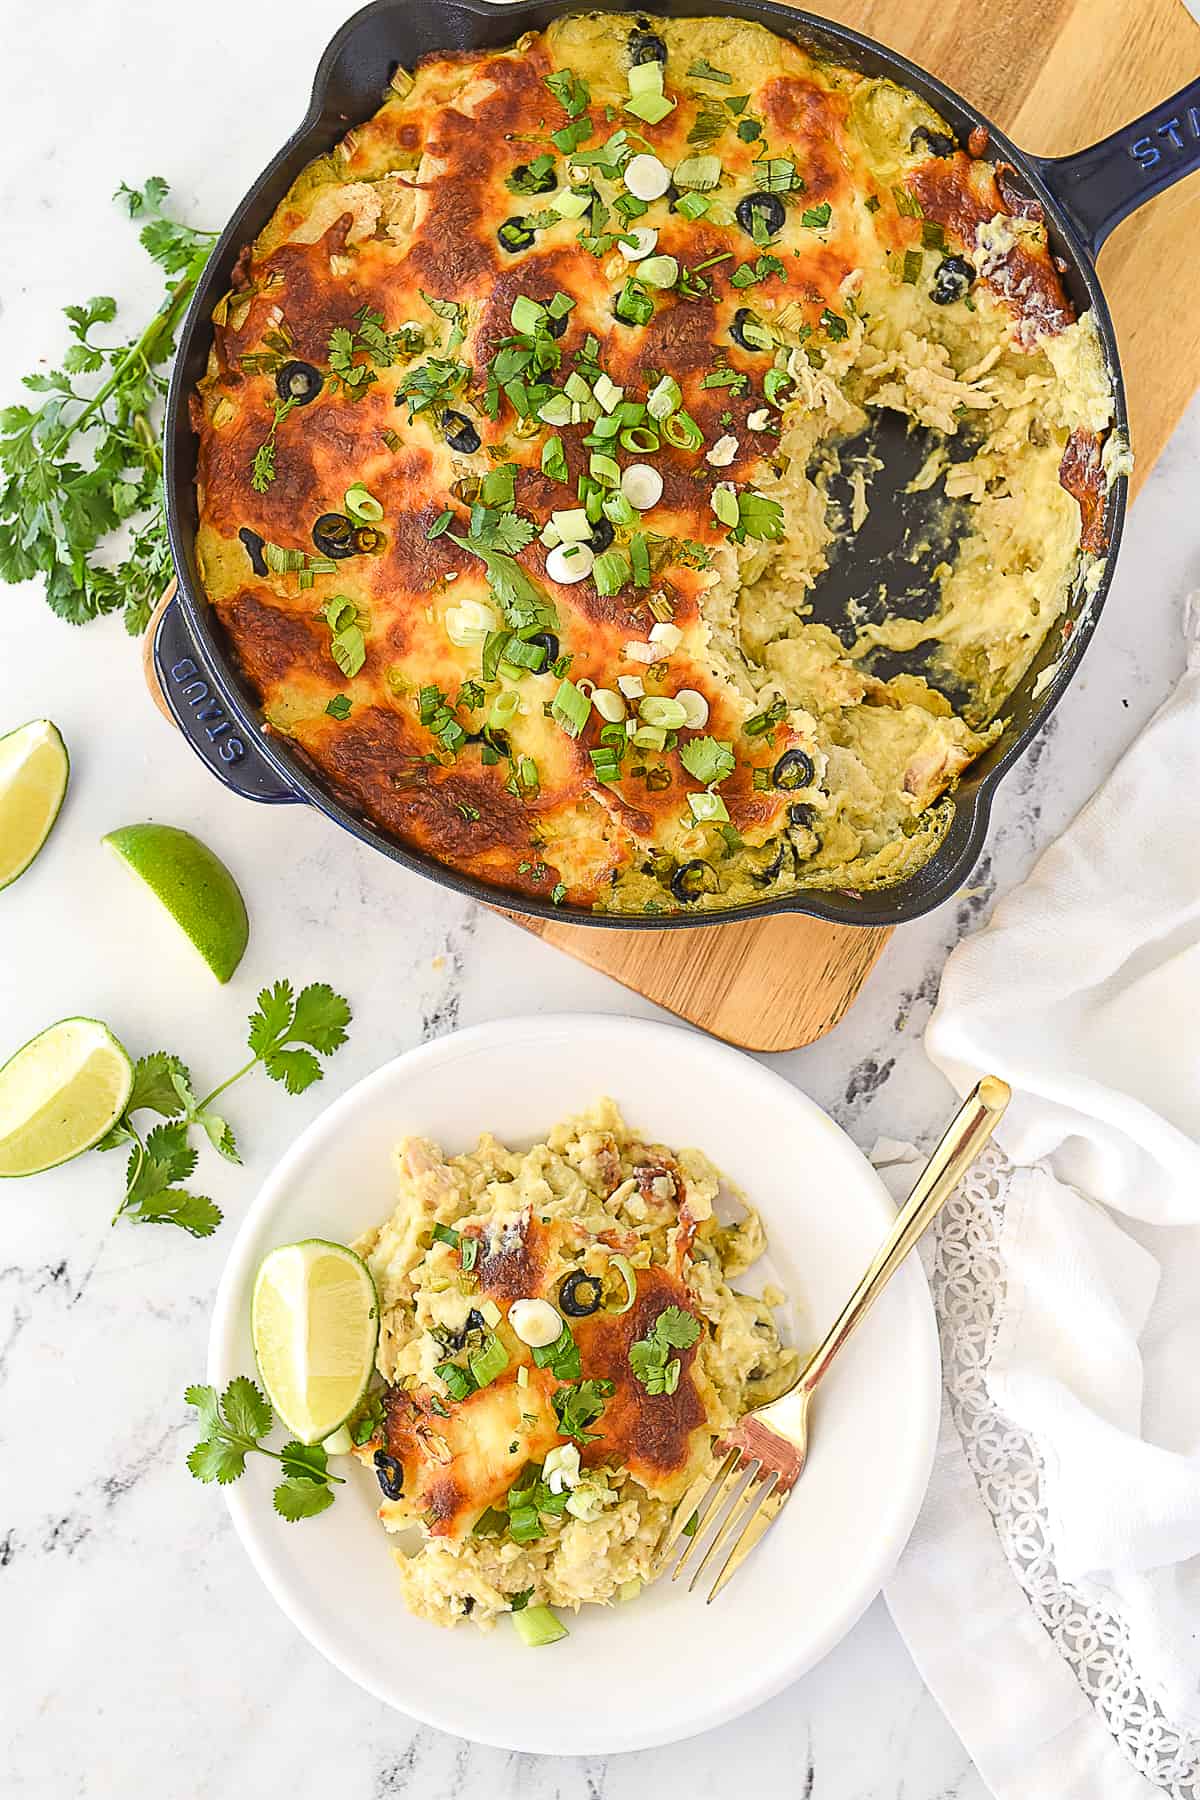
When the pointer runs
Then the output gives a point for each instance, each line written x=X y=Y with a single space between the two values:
x=220 y=1135
x=320 y=1018
x=297 y=1069
x=523 y=600
x=213 y=1459
x=154 y=1084
x=246 y=1409
x=299 y=1498
x=204 y=1399
x=271 y=1018
x=675 y=1327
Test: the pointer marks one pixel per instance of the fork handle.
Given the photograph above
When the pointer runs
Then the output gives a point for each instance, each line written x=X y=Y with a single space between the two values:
x=960 y=1144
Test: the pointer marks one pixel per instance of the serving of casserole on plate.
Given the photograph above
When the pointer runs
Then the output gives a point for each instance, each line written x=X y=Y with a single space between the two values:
x=542 y=407
x=560 y=1343
x=823 y=1210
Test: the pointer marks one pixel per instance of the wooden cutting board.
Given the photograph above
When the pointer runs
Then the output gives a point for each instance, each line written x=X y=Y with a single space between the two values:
x=1056 y=75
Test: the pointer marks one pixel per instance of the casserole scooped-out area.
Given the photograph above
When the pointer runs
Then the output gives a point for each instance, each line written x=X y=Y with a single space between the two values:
x=547 y=410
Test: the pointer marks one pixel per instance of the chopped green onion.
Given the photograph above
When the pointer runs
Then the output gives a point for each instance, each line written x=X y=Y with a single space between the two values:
x=618 y=510
x=605 y=470
x=914 y=262
x=693 y=205
x=661 y=709
x=700 y=173
x=493 y=649
x=610 y=572
x=646 y=98
x=624 y=1268
x=570 y=708
x=664 y=398
x=649 y=737
x=537 y=1625
x=489 y=1362
x=362 y=505
x=640 y=438
x=572 y=524
x=659 y=271
x=555 y=411
x=634 y=305
x=554 y=459
x=459 y=1381
x=504 y=710
x=607 y=392
x=444 y=1234
x=682 y=430
x=775 y=385
x=708 y=808
x=724 y=504
x=525 y=656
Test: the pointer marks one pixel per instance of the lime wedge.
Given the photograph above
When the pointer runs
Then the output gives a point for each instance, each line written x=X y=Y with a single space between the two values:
x=34 y=768
x=315 y=1323
x=60 y=1094
x=195 y=887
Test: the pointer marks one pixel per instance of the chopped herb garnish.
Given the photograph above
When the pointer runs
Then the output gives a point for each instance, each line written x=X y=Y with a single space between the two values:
x=580 y=1405
x=338 y=707
x=704 y=71
x=707 y=760
x=817 y=216
x=837 y=329
x=347 y=644
x=650 y=1357
x=440 y=524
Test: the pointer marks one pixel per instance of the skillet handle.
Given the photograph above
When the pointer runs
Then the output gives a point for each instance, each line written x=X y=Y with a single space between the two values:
x=194 y=701
x=1100 y=186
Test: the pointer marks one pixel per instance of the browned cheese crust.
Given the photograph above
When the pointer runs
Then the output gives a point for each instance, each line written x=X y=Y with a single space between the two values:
x=408 y=209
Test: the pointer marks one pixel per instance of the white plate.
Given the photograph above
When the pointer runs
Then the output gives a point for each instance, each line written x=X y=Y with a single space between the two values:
x=665 y=1666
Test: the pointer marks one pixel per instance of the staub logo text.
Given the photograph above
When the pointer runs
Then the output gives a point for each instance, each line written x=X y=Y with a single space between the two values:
x=195 y=693
x=1170 y=138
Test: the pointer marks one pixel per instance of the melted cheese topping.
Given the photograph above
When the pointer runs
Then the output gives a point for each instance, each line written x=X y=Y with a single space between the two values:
x=391 y=270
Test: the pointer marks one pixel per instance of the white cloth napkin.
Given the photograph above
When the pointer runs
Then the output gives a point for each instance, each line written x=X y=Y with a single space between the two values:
x=1071 y=1667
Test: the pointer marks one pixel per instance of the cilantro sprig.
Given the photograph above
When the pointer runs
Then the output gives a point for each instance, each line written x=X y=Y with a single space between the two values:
x=88 y=460
x=651 y=1357
x=284 y=1031
x=233 y=1428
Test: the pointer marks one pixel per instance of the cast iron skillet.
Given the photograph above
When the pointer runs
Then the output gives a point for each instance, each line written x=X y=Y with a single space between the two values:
x=1084 y=196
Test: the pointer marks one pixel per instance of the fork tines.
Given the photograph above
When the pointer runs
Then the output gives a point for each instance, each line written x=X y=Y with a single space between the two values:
x=738 y=1497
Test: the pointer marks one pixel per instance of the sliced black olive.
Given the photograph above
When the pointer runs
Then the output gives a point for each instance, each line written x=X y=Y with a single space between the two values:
x=793 y=770
x=602 y=536
x=459 y=433
x=254 y=549
x=515 y=235
x=737 y=331
x=691 y=879
x=764 y=877
x=389 y=1474
x=769 y=208
x=468 y=1603
x=579 y=1294
x=333 y=534
x=951 y=280
x=646 y=46
x=938 y=143
x=298 y=381
x=368 y=539
x=474 y=1321
x=799 y=813
x=547 y=639
x=533 y=184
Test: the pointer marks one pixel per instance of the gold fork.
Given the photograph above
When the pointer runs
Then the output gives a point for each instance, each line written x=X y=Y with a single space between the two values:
x=769 y=1447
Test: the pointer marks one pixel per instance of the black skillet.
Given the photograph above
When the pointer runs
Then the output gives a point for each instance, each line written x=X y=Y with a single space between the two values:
x=1084 y=196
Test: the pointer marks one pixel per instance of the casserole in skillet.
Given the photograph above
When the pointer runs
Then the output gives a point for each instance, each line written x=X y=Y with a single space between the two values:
x=546 y=403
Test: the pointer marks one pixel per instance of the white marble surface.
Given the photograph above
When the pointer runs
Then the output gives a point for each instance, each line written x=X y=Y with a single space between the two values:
x=136 y=1646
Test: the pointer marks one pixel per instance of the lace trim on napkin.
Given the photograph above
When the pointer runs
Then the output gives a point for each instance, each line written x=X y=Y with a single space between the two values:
x=967 y=1278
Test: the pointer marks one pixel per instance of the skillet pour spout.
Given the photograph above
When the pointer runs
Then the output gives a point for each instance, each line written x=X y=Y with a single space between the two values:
x=1083 y=197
